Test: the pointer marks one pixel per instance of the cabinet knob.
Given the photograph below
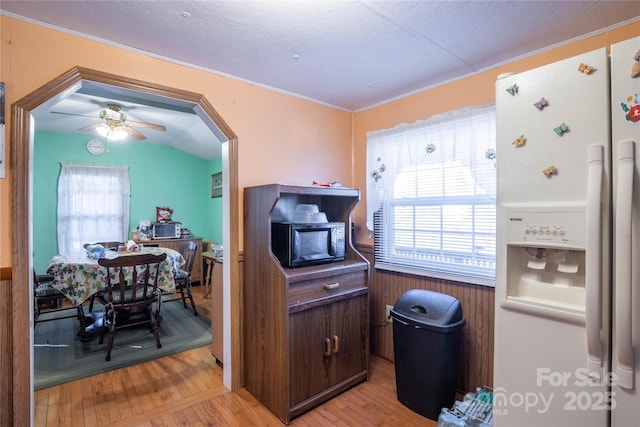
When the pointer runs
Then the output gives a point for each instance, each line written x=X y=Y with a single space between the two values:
x=330 y=286
x=336 y=344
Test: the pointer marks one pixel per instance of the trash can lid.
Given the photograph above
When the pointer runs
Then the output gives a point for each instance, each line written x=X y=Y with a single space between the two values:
x=429 y=307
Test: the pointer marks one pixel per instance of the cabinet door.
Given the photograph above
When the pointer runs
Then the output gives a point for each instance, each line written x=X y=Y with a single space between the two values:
x=327 y=345
x=348 y=328
x=309 y=353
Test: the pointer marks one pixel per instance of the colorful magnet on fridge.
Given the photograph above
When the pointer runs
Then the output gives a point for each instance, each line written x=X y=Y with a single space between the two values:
x=513 y=89
x=561 y=129
x=541 y=104
x=519 y=142
x=631 y=107
x=549 y=171
x=584 y=68
x=633 y=115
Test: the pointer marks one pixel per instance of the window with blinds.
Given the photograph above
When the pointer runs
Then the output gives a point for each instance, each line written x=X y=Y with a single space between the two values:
x=431 y=196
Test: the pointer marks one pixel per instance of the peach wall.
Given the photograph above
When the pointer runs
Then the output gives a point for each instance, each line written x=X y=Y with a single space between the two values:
x=281 y=138
x=474 y=90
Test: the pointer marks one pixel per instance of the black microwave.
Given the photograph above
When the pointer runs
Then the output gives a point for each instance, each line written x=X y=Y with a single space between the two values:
x=300 y=245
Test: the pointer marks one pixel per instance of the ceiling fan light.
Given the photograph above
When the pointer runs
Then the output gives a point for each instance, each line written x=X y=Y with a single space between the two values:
x=112 y=133
x=117 y=134
x=103 y=130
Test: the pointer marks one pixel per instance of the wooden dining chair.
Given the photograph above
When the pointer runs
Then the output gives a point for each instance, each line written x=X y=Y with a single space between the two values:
x=183 y=278
x=110 y=246
x=47 y=299
x=132 y=289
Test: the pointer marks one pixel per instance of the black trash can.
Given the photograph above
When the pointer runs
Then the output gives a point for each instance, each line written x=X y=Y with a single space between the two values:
x=427 y=340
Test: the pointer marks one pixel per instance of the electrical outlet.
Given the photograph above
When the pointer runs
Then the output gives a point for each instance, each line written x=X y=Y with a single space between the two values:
x=388 y=315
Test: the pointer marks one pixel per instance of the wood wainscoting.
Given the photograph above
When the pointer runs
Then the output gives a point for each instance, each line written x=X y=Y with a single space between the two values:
x=6 y=362
x=385 y=287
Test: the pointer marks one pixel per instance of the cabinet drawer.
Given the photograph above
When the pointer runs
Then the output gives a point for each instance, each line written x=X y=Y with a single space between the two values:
x=310 y=290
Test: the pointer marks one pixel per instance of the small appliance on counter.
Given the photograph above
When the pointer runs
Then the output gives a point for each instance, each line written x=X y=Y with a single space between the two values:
x=308 y=239
x=166 y=230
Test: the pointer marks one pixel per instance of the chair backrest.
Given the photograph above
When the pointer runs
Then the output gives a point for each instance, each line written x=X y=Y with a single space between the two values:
x=132 y=279
x=190 y=255
x=36 y=282
x=40 y=278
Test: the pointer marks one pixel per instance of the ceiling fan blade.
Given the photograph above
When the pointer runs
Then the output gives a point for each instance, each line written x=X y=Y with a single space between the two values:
x=90 y=127
x=77 y=115
x=134 y=133
x=146 y=125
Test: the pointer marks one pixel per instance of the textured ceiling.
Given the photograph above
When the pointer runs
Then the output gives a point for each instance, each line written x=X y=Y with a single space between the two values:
x=348 y=54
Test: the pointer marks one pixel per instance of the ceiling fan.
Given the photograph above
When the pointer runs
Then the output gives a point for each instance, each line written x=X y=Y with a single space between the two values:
x=114 y=124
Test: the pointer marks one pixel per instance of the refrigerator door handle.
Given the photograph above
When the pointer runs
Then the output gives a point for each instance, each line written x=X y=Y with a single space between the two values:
x=623 y=326
x=593 y=259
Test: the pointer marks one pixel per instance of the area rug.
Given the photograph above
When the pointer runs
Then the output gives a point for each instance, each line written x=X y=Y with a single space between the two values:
x=60 y=357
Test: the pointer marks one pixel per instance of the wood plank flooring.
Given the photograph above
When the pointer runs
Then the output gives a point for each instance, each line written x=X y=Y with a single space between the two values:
x=186 y=389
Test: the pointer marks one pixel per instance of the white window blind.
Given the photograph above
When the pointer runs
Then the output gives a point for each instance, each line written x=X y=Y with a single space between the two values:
x=93 y=205
x=431 y=196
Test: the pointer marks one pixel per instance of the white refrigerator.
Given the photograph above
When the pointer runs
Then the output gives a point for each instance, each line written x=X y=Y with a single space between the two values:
x=567 y=319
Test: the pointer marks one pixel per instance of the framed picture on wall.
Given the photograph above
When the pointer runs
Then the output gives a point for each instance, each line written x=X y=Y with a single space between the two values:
x=216 y=185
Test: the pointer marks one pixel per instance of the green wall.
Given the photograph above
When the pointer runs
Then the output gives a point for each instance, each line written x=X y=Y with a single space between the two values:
x=159 y=175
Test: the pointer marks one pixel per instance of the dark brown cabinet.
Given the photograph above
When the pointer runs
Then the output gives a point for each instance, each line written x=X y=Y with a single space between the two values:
x=180 y=245
x=325 y=345
x=307 y=328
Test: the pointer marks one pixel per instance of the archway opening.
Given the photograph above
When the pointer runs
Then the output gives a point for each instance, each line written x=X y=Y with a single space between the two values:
x=22 y=130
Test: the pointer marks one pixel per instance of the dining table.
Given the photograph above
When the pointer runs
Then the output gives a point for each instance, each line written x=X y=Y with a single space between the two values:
x=79 y=276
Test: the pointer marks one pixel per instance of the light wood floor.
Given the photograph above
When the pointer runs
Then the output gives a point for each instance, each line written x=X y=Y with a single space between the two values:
x=186 y=389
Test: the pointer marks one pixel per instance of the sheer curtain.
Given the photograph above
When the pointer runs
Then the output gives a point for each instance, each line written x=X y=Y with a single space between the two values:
x=431 y=196
x=93 y=205
x=466 y=136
